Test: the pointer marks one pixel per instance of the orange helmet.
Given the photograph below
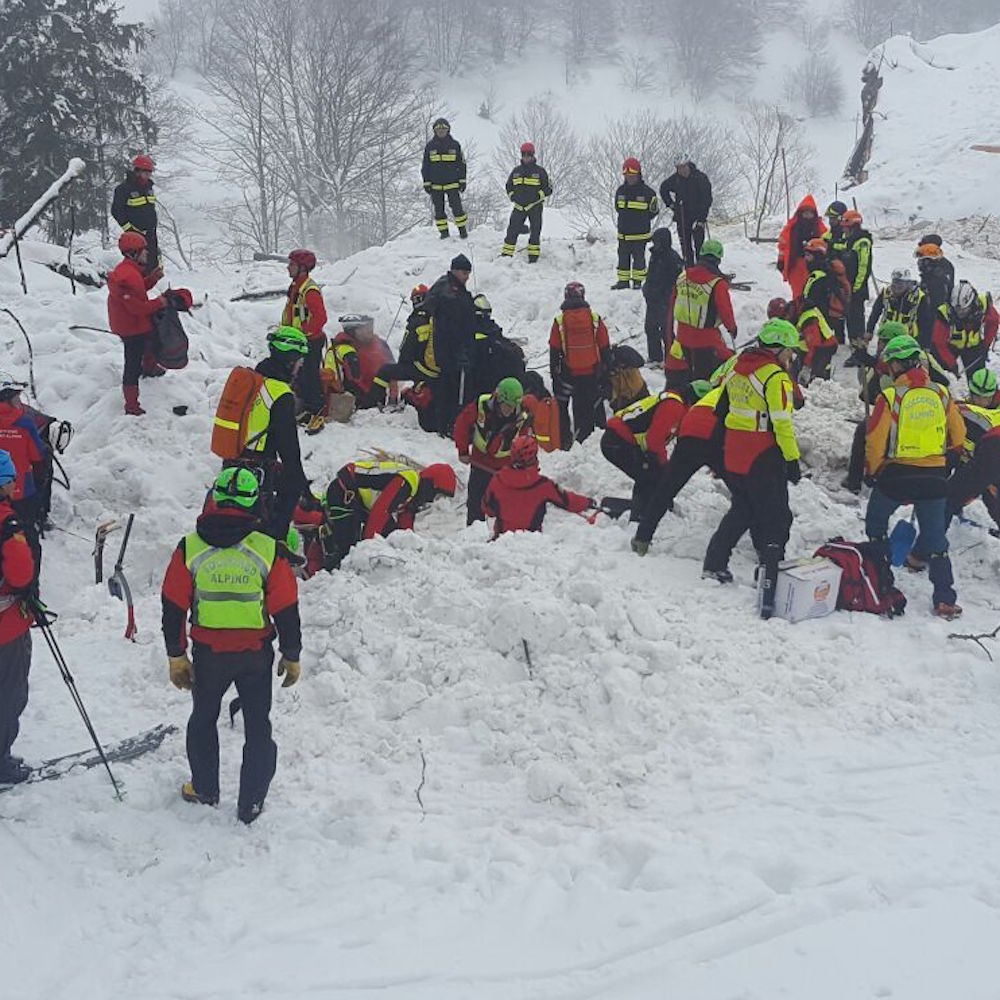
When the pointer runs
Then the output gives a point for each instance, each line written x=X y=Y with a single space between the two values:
x=815 y=245
x=131 y=243
x=524 y=451
x=928 y=250
x=852 y=217
x=631 y=166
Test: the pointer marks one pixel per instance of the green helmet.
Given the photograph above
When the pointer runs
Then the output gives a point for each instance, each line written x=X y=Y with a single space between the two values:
x=509 y=391
x=983 y=382
x=901 y=348
x=236 y=487
x=780 y=333
x=701 y=388
x=288 y=340
x=711 y=248
x=893 y=328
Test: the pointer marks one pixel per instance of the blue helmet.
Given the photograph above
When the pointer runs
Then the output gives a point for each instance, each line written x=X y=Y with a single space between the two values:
x=8 y=474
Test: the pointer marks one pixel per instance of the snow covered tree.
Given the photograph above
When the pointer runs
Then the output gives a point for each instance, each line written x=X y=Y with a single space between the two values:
x=69 y=86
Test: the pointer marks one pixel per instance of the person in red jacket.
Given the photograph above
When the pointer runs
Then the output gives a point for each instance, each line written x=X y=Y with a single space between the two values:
x=701 y=305
x=131 y=311
x=19 y=437
x=360 y=356
x=579 y=359
x=239 y=590
x=803 y=226
x=518 y=495
x=965 y=329
x=305 y=310
x=17 y=574
x=979 y=473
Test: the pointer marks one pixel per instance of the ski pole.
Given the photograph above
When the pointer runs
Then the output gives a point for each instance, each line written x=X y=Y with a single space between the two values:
x=44 y=623
x=31 y=353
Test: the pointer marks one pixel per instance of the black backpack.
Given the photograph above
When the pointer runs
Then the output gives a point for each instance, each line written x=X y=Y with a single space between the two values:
x=170 y=342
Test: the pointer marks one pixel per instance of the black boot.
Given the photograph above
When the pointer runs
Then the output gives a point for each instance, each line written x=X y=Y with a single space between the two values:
x=769 y=566
x=618 y=285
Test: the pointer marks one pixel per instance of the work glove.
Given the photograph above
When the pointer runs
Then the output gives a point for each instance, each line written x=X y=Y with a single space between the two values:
x=290 y=669
x=792 y=471
x=181 y=672
x=805 y=377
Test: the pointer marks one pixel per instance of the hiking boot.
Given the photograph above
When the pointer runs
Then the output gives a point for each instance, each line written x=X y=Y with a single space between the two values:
x=850 y=485
x=247 y=814
x=132 y=407
x=655 y=365
x=639 y=547
x=915 y=564
x=445 y=234
x=532 y=260
x=618 y=285
x=13 y=771
x=719 y=575
x=949 y=612
x=463 y=233
x=636 y=285
x=316 y=424
x=188 y=794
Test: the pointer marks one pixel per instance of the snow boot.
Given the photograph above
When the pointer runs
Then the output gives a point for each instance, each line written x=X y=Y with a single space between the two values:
x=769 y=560
x=619 y=285
x=13 y=771
x=248 y=813
x=639 y=547
x=949 y=612
x=463 y=233
x=719 y=575
x=188 y=794
x=636 y=285
x=132 y=407
x=445 y=235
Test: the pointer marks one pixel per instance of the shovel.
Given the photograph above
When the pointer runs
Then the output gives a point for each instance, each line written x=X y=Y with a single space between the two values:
x=901 y=540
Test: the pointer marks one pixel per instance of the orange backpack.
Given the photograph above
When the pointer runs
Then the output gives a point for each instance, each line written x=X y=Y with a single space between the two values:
x=232 y=416
x=548 y=424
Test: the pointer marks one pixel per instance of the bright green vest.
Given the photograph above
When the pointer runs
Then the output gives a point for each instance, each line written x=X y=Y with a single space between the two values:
x=229 y=583
x=259 y=420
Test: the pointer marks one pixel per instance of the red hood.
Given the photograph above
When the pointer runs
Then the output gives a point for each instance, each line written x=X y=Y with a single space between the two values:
x=808 y=202
x=750 y=360
x=519 y=479
x=9 y=412
x=702 y=273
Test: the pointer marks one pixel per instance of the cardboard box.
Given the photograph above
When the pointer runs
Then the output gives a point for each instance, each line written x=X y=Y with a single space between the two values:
x=807 y=588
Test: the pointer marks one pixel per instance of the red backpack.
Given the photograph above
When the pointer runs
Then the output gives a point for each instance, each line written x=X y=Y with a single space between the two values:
x=866 y=580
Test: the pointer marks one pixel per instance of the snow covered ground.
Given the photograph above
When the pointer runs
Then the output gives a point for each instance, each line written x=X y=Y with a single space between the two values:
x=672 y=799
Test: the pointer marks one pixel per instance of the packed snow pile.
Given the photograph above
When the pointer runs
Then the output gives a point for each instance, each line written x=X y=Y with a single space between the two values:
x=938 y=100
x=535 y=768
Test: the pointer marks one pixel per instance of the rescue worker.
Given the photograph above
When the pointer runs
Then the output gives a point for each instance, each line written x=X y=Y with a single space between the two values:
x=701 y=306
x=19 y=437
x=494 y=356
x=814 y=309
x=637 y=436
x=979 y=473
x=579 y=358
x=858 y=262
x=636 y=205
x=965 y=329
x=937 y=273
x=273 y=442
x=443 y=173
x=699 y=445
x=416 y=354
x=665 y=267
x=372 y=499
x=305 y=310
x=360 y=355
x=519 y=495
x=133 y=207
x=18 y=571
x=689 y=193
x=902 y=301
x=131 y=312
x=913 y=427
x=527 y=187
x=760 y=457
x=484 y=433
x=239 y=591
x=450 y=304
x=802 y=227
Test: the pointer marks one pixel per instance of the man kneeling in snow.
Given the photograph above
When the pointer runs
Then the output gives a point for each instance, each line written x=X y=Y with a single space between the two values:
x=519 y=494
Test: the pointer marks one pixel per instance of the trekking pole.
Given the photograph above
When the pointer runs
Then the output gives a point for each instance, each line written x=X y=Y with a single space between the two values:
x=31 y=353
x=20 y=263
x=44 y=623
x=402 y=300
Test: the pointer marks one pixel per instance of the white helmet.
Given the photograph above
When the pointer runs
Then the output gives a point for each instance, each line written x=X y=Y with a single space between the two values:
x=10 y=384
x=902 y=279
x=964 y=298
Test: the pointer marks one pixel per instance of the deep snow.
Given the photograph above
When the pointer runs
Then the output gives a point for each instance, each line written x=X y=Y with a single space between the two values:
x=677 y=799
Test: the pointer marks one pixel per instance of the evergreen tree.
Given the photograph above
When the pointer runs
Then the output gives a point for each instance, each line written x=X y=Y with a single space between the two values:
x=69 y=86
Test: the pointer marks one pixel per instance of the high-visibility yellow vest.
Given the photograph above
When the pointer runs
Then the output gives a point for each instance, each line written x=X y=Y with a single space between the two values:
x=982 y=417
x=826 y=331
x=425 y=336
x=479 y=441
x=961 y=339
x=907 y=316
x=268 y=394
x=634 y=411
x=369 y=494
x=693 y=301
x=919 y=421
x=748 y=409
x=229 y=583
x=299 y=316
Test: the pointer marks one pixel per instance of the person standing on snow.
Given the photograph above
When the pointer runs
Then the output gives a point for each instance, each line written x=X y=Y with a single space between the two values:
x=527 y=187
x=689 y=193
x=665 y=266
x=305 y=310
x=937 y=273
x=852 y=246
x=803 y=226
x=979 y=473
x=417 y=361
x=131 y=311
x=133 y=207
x=239 y=591
x=443 y=173
x=822 y=289
x=636 y=205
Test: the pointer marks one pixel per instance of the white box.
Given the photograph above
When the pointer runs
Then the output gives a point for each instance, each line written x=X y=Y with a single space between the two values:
x=807 y=588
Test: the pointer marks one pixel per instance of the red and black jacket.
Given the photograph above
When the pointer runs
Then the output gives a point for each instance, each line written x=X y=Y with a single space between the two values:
x=17 y=573
x=517 y=498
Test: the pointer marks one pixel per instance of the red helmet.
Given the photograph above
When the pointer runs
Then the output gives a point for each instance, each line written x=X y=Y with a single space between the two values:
x=418 y=294
x=131 y=243
x=304 y=258
x=527 y=149
x=631 y=166
x=777 y=308
x=816 y=245
x=524 y=451
x=574 y=290
x=143 y=162
x=441 y=477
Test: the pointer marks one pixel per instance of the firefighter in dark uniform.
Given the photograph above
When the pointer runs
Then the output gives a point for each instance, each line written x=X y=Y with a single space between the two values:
x=527 y=187
x=637 y=206
x=416 y=354
x=133 y=207
x=443 y=173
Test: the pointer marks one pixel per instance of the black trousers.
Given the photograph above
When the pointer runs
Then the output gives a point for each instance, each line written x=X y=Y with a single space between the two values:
x=759 y=505
x=856 y=464
x=345 y=522
x=15 y=662
x=689 y=455
x=638 y=465
x=455 y=202
x=135 y=350
x=586 y=398
x=973 y=358
x=447 y=403
x=655 y=325
x=307 y=382
x=479 y=480
x=822 y=359
x=975 y=477
x=214 y=673
x=691 y=237
x=631 y=260
x=856 y=315
x=515 y=227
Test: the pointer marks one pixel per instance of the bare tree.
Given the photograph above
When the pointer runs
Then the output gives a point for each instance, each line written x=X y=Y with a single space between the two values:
x=170 y=30
x=639 y=73
x=815 y=84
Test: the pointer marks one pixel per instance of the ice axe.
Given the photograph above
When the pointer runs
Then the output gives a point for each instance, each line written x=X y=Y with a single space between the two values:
x=118 y=585
x=901 y=539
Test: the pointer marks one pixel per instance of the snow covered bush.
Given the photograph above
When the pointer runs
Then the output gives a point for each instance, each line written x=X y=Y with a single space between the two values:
x=815 y=84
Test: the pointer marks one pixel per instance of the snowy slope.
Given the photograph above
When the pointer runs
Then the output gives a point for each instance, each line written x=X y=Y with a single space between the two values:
x=673 y=799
